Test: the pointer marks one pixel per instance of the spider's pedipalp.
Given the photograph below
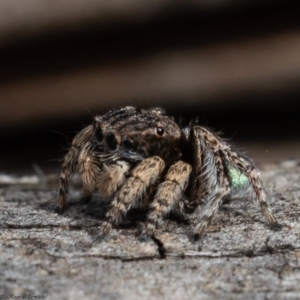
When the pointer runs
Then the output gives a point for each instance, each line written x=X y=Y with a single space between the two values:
x=142 y=177
x=168 y=194
x=111 y=178
x=89 y=169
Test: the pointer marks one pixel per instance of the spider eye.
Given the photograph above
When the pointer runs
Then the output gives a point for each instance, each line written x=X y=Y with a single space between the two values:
x=99 y=134
x=159 y=130
x=111 y=140
x=127 y=143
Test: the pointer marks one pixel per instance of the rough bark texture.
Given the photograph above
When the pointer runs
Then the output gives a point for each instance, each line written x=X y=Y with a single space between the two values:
x=240 y=257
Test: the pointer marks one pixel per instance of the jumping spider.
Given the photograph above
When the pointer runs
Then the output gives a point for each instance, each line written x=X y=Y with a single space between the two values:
x=136 y=157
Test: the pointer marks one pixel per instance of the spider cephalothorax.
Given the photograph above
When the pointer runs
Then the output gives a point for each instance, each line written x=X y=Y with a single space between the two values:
x=138 y=134
x=142 y=157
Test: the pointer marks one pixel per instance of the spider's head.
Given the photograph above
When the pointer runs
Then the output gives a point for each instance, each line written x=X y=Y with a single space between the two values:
x=137 y=134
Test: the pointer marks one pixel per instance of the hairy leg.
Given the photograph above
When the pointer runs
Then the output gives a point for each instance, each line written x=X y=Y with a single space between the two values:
x=142 y=176
x=222 y=154
x=168 y=194
x=211 y=208
x=245 y=166
x=70 y=164
x=204 y=178
x=214 y=185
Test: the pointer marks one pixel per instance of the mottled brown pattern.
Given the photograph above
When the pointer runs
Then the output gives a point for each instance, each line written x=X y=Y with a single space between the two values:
x=142 y=157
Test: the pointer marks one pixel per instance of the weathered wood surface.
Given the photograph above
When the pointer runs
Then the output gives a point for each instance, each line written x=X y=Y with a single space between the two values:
x=240 y=257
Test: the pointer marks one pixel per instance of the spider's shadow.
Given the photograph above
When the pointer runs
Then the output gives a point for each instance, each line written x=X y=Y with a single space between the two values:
x=97 y=208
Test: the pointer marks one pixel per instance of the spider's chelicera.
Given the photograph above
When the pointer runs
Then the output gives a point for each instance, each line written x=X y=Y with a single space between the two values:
x=137 y=157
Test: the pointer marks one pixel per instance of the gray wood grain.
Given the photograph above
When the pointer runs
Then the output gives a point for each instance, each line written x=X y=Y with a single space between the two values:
x=240 y=257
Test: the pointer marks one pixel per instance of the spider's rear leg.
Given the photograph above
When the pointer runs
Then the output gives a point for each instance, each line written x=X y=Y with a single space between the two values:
x=223 y=155
x=209 y=210
x=213 y=199
x=168 y=195
x=210 y=182
x=142 y=176
x=245 y=166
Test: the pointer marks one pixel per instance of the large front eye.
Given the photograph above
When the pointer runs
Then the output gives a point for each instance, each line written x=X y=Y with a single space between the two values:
x=111 y=140
x=160 y=131
x=127 y=143
x=99 y=134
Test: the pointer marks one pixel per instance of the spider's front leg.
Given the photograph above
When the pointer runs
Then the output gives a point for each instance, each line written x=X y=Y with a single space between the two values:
x=168 y=195
x=68 y=168
x=70 y=164
x=142 y=177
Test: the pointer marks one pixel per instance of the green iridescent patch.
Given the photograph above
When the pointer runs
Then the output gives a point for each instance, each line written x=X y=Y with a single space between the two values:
x=238 y=180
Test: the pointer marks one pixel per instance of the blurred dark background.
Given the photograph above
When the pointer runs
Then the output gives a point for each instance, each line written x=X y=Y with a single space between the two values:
x=235 y=64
